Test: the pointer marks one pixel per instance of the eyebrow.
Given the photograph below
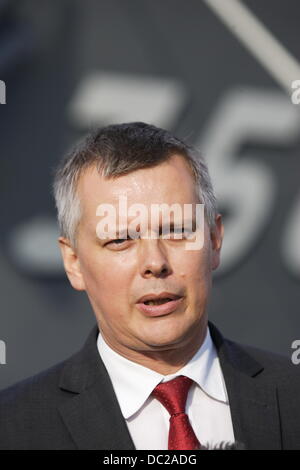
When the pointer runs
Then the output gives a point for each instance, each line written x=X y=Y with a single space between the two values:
x=123 y=233
x=190 y=222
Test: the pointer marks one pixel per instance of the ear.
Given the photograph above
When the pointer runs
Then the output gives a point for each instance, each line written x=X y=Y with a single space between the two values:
x=216 y=236
x=71 y=264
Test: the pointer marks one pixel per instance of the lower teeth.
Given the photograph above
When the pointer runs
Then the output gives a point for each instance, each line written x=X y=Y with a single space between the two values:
x=152 y=302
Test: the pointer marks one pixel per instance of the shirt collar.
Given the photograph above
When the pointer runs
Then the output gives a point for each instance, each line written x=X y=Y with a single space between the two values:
x=133 y=383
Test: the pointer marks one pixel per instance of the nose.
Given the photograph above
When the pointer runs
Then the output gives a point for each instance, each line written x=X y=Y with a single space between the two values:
x=153 y=260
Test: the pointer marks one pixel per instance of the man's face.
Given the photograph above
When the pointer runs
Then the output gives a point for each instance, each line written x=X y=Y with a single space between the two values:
x=116 y=275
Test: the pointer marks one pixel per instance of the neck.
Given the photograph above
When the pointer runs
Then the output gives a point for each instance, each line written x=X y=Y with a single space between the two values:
x=167 y=361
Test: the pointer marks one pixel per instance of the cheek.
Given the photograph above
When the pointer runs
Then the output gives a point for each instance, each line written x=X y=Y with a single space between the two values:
x=194 y=271
x=193 y=265
x=105 y=276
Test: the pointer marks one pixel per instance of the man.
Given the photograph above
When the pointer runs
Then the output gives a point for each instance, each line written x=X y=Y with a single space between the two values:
x=154 y=373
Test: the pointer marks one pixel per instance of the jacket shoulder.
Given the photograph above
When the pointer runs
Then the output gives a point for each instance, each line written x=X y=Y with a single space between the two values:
x=275 y=366
x=32 y=386
x=29 y=416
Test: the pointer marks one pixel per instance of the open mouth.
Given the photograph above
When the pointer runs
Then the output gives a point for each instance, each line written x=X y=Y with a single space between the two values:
x=157 y=301
x=162 y=305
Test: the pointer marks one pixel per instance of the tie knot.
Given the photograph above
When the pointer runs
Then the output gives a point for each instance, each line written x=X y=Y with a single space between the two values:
x=173 y=394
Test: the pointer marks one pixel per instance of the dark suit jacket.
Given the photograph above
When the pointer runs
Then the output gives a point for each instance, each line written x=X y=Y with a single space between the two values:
x=72 y=405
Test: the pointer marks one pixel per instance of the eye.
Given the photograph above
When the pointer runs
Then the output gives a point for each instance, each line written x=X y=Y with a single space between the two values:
x=117 y=241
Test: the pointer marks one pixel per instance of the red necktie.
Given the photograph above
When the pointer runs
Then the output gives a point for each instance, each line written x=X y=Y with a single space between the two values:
x=173 y=396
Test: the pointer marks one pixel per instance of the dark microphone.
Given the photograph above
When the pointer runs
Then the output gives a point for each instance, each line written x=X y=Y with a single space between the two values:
x=226 y=446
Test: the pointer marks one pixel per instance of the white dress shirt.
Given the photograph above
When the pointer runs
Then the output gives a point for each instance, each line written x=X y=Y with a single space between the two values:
x=148 y=420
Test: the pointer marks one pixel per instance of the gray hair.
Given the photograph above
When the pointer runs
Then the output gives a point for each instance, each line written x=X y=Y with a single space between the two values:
x=118 y=150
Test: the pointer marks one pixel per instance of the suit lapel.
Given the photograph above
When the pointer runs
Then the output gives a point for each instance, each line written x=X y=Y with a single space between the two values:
x=252 y=399
x=95 y=421
x=92 y=414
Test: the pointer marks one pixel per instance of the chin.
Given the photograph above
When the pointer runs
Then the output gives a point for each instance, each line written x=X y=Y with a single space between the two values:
x=164 y=340
x=166 y=332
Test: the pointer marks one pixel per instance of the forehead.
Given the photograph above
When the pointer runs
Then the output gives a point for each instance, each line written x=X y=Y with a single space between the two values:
x=169 y=182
